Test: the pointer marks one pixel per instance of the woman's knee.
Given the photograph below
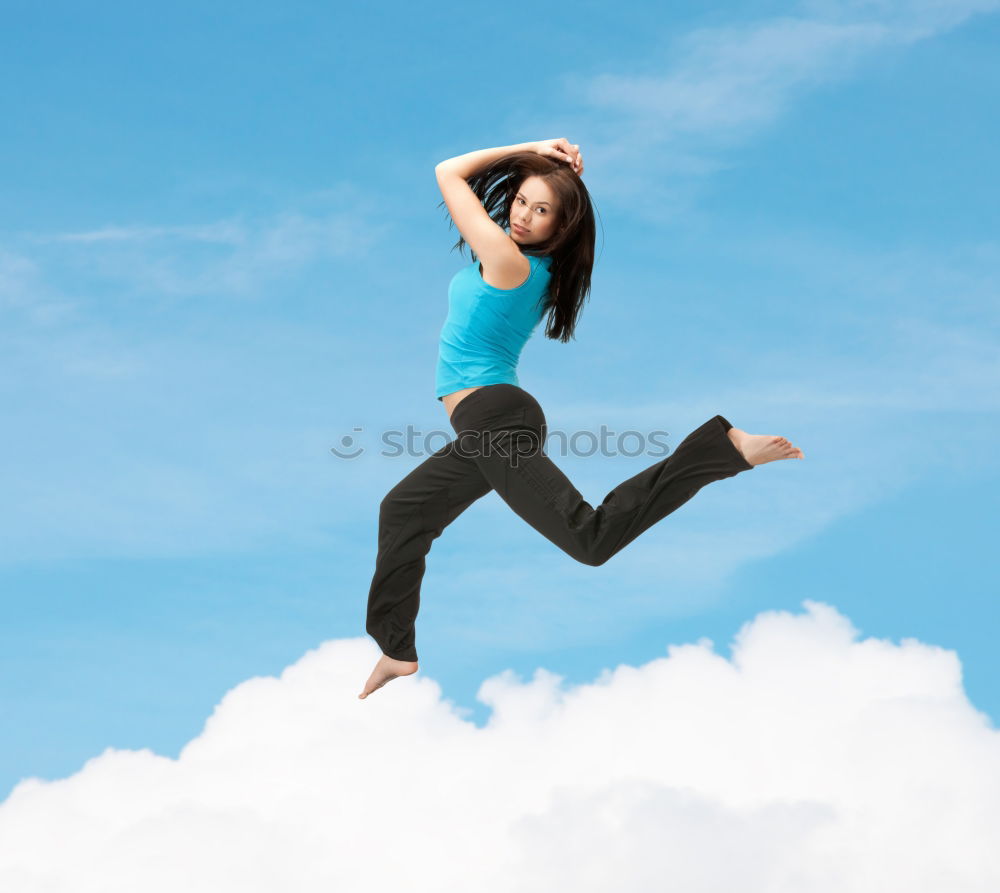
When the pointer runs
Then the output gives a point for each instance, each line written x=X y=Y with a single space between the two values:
x=597 y=559
x=392 y=507
x=588 y=555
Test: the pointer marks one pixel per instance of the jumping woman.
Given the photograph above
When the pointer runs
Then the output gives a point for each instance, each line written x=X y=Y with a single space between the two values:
x=528 y=220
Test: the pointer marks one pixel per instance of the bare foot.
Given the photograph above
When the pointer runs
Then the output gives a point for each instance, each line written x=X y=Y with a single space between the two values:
x=386 y=669
x=760 y=448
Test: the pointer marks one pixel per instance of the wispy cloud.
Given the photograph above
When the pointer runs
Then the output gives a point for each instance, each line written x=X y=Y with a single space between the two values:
x=235 y=255
x=661 y=133
x=77 y=370
x=224 y=232
x=25 y=296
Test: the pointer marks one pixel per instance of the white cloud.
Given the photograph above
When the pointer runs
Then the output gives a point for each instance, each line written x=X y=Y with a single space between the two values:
x=811 y=760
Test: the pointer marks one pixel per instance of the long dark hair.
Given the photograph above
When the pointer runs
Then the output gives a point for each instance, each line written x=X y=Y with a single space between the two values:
x=571 y=245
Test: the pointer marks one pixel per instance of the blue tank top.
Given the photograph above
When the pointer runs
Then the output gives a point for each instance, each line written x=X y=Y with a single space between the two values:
x=487 y=327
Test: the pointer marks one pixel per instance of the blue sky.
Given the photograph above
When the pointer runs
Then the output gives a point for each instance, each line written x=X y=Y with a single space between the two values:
x=221 y=252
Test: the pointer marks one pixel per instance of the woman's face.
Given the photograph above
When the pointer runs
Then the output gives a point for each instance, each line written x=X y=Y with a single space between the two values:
x=534 y=213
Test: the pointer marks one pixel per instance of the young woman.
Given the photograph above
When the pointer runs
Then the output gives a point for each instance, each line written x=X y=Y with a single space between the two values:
x=528 y=219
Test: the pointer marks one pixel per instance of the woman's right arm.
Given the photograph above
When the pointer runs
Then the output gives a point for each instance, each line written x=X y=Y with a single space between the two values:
x=488 y=240
x=466 y=165
x=485 y=237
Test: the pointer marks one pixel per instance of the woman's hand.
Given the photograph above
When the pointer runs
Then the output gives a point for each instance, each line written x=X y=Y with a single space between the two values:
x=563 y=150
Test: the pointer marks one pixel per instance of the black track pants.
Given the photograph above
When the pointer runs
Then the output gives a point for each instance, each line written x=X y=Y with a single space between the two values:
x=500 y=431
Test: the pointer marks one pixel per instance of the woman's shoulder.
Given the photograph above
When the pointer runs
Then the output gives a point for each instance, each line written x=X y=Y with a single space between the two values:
x=540 y=262
x=509 y=274
x=506 y=278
